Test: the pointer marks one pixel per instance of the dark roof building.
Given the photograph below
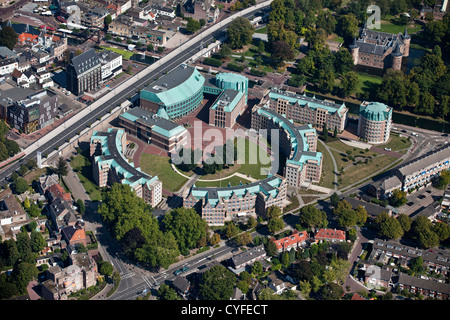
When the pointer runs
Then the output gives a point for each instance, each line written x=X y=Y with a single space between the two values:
x=84 y=73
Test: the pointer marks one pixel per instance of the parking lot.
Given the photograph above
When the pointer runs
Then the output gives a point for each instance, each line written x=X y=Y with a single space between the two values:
x=421 y=198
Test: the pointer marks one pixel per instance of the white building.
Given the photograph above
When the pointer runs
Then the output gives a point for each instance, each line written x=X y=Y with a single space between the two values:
x=111 y=64
x=7 y=66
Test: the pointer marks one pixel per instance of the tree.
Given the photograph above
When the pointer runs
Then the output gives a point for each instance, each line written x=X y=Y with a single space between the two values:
x=231 y=230
x=81 y=206
x=257 y=268
x=192 y=25
x=349 y=83
x=281 y=51
x=346 y=215
x=271 y=249
x=275 y=224
x=334 y=199
x=22 y=274
x=273 y=212
x=331 y=291
x=107 y=21
x=215 y=239
x=405 y=222
x=20 y=186
x=37 y=241
x=343 y=61
x=187 y=227
x=240 y=33
x=244 y=239
x=398 y=198
x=311 y=216
x=217 y=284
x=8 y=37
x=347 y=26
x=106 y=269
x=390 y=228
x=167 y=293
x=61 y=168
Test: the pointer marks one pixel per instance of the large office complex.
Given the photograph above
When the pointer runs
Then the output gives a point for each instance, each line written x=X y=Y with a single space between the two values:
x=375 y=121
x=297 y=143
x=414 y=174
x=154 y=129
x=308 y=110
x=84 y=73
x=109 y=165
x=218 y=205
x=178 y=92
x=380 y=50
x=182 y=90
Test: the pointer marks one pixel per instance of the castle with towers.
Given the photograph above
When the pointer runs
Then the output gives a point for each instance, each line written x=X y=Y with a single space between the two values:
x=380 y=50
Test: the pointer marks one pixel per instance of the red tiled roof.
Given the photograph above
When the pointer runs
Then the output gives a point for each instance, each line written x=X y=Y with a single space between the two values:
x=294 y=238
x=59 y=192
x=330 y=234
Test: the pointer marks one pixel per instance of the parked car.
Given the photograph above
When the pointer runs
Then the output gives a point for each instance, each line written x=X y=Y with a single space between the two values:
x=387 y=149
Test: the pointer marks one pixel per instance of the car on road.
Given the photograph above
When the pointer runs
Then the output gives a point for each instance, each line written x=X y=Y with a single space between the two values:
x=414 y=134
x=184 y=269
x=177 y=272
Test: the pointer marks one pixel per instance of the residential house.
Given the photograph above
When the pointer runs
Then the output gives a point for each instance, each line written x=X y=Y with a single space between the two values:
x=435 y=260
x=427 y=288
x=24 y=63
x=276 y=284
x=55 y=191
x=61 y=214
x=80 y=274
x=446 y=199
x=331 y=235
x=181 y=285
x=295 y=240
x=6 y=53
x=47 y=181
x=7 y=66
x=373 y=210
x=237 y=294
x=74 y=235
x=378 y=277
x=246 y=258
x=11 y=211
x=164 y=11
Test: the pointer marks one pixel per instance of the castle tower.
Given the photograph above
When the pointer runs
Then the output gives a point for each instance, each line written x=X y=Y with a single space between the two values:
x=354 y=50
x=396 y=57
x=407 y=42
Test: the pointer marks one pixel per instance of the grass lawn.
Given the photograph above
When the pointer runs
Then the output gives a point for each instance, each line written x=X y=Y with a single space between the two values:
x=249 y=166
x=126 y=55
x=156 y=165
x=365 y=81
x=360 y=171
x=232 y=181
x=327 y=176
x=261 y=30
x=388 y=26
x=83 y=168
x=397 y=143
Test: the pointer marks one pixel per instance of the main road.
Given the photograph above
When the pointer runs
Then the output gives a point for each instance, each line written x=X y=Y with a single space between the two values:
x=128 y=88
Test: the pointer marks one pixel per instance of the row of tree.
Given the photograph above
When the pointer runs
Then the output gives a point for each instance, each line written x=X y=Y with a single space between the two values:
x=19 y=256
x=142 y=236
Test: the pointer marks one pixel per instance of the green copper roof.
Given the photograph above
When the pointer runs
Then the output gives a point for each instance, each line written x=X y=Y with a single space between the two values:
x=174 y=87
x=375 y=111
x=310 y=101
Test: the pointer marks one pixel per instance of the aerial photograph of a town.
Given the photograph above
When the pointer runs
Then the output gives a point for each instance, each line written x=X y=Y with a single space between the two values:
x=225 y=155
